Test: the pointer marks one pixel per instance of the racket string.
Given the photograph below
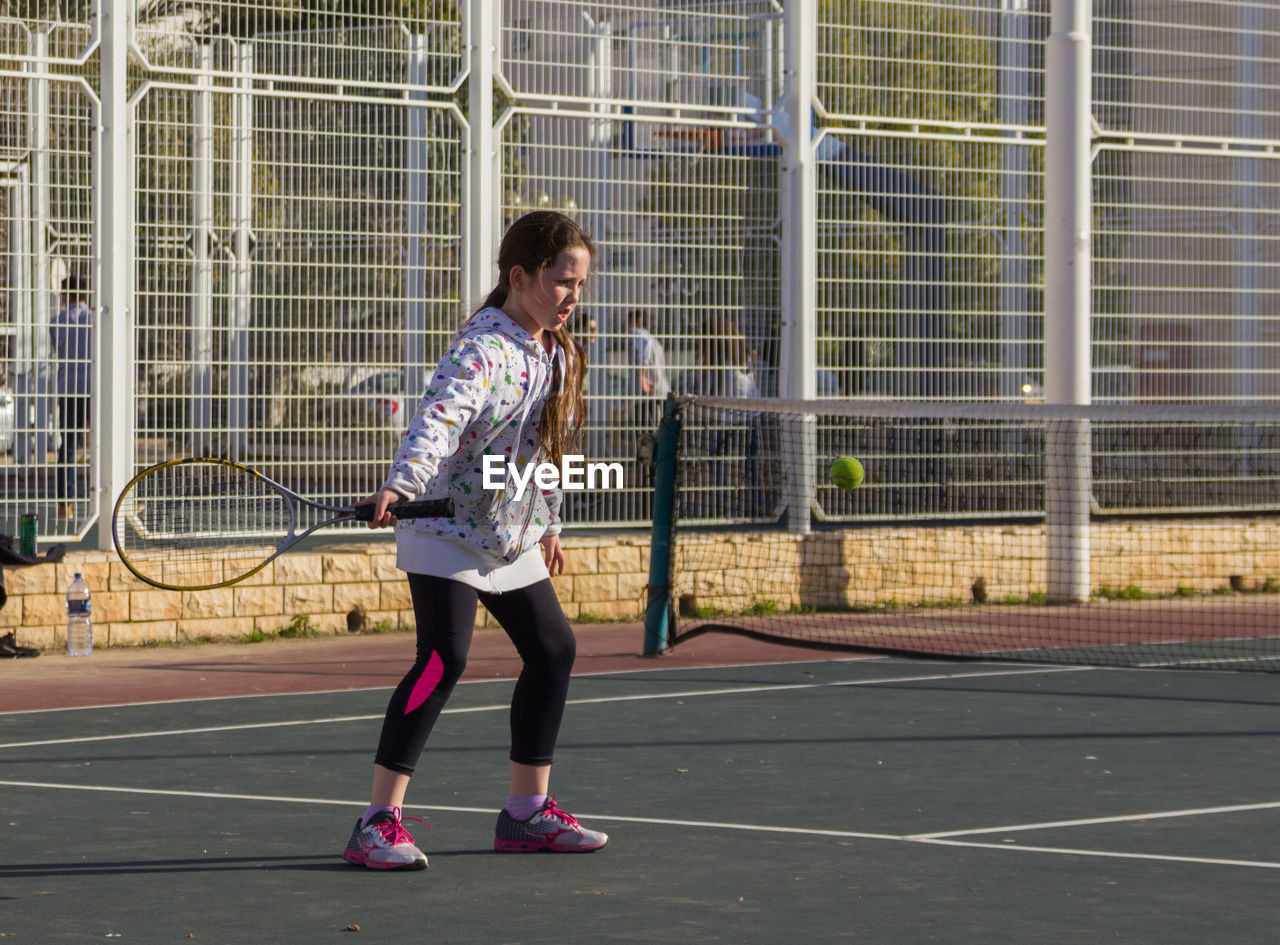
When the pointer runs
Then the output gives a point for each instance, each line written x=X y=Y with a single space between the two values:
x=200 y=523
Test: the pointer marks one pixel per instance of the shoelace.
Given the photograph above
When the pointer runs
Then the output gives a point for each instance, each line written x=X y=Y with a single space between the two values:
x=552 y=811
x=393 y=833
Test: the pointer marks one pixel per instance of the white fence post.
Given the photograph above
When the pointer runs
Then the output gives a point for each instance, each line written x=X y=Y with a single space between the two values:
x=1015 y=99
x=114 y=421
x=482 y=184
x=598 y=220
x=32 y=408
x=238 y=341
x=600 y=157
x=417 y=220
x=201 y=417
x=1068 y=256
x=20 y=295
x=798 y=208
x=1248 y=174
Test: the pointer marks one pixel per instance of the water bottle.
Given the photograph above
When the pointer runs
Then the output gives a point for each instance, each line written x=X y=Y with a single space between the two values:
x=27 y=535
x=79 y=627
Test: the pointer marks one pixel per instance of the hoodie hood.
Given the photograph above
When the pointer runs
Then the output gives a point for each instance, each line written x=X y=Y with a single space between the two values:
x=490 y=320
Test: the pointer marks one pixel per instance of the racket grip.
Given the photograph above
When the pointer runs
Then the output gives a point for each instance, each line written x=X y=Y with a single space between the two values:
x=422 y=508
x=418 y=508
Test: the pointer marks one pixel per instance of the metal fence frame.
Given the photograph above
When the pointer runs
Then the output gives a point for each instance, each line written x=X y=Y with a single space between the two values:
x=722 y=77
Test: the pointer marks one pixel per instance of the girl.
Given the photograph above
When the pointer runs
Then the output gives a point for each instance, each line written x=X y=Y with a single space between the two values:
x=510 y=386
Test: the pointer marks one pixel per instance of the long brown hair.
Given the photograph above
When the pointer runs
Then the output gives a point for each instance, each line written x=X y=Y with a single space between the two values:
x=534 y=242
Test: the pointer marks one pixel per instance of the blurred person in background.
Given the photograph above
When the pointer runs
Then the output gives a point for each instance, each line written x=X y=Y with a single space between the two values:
x=71 y=334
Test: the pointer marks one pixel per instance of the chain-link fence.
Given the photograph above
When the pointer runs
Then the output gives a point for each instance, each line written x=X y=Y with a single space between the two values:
x=313 y=197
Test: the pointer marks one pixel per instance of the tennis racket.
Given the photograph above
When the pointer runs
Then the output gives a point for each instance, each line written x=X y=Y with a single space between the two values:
x=199 y=523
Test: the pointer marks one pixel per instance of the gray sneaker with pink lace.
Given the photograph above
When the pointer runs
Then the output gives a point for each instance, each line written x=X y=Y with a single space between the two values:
x=549 y=829
x=384 y=844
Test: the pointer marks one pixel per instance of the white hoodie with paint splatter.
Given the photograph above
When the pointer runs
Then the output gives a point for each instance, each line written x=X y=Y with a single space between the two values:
x=485 y=398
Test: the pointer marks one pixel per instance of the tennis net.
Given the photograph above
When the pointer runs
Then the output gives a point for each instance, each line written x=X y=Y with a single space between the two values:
x=1136 y=535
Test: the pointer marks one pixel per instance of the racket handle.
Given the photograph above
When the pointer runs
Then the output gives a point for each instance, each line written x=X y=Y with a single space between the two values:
x=419 y=508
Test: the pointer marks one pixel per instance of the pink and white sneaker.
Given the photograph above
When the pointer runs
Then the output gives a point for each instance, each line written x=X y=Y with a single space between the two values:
x=384 y=844
x=549 y=829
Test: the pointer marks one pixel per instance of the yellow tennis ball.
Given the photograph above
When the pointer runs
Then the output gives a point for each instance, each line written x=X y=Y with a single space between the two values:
x=847 y=473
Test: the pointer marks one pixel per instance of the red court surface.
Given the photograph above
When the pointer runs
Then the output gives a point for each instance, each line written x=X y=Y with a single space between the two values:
x=147 y=674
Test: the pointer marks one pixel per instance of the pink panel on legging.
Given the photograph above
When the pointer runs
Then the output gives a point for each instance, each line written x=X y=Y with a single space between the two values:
x=426 y=683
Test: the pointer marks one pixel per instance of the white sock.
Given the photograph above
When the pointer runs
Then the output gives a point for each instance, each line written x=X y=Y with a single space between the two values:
x=524 y=806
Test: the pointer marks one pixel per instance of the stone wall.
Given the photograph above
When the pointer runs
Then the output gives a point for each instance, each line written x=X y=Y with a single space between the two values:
x=606 y=577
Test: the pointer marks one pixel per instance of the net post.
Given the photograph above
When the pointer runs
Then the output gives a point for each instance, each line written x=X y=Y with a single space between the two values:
x=657 y=615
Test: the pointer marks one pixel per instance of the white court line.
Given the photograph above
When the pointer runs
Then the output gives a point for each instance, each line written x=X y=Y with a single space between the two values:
x=188 y=731
x=1112 y=854
x=247 y=695
x=1206 y=662
x=667 y=822
x=464 y=682
x=493 y=811
x=646 y=697
x=1091 y=821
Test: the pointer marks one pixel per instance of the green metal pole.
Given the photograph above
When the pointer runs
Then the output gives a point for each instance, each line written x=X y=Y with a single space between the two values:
x=658 y=611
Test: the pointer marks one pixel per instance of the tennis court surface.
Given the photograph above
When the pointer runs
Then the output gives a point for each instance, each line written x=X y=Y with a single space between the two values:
x=807 y=800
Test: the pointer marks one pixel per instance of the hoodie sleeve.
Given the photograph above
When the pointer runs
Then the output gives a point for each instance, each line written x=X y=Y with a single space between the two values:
x=452 y=401
x=554 y=499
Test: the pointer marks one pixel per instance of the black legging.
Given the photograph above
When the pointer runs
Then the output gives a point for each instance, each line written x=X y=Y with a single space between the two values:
x=75 y=414
x=446 y=615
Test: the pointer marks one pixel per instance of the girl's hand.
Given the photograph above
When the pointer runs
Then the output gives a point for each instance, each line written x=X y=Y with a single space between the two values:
x=380 y=500
x=553 y=554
